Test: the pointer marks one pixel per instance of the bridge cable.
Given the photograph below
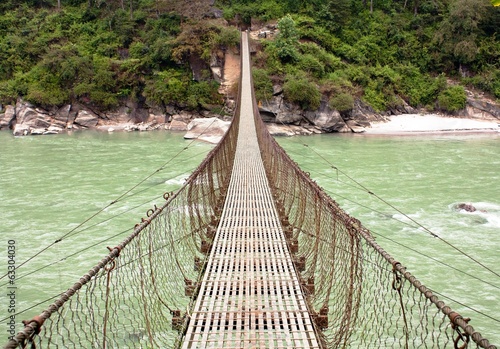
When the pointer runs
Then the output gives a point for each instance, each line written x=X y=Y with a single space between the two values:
x=362 y=187
x=402 y=213
x=402 y=245
x=390 y=271
x=69 y=233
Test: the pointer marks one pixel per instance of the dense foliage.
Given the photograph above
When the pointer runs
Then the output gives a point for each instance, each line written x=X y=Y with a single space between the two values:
x=100 y=52
x=386 y=53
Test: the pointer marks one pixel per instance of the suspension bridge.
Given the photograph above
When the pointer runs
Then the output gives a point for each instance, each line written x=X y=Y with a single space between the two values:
x=249 y=253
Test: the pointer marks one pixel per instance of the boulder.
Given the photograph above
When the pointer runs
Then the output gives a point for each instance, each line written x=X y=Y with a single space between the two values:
x=37 y=131
x=327 y=120
x=62 y=117
x=120 y=116
x=86 y=119
x=178 y=125
x=280 y=130
x=482 y=109
x=7 y=118
x=279 y=111
x=21 y=130
x=183 y=116
x=209 y=130
x=32 y=117
x=355 y=126
x=466 y=207
x=157 y=116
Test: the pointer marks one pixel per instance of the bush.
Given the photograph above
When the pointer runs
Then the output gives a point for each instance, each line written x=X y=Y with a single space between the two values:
x=311 y=64
x=262 y=84
x=203 y=94
x=303 y=92
x=342 y=102
x=452 y=99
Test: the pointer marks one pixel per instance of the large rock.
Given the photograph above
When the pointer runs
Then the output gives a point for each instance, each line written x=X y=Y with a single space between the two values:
x=32 y=117
x=62 y=117
x=120 y=116
x=7 y=118
x=280 y=130
x=21 y=130
x=183 y=116
x=209 y=130
x=86 y=119
x=178 y=125
x=482 y=109
x=328 y=120
x=279 y=111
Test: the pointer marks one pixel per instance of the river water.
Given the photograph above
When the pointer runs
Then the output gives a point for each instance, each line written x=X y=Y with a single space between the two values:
x=49 y=185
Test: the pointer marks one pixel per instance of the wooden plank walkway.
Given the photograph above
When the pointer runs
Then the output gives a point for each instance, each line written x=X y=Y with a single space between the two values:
x=250 y=296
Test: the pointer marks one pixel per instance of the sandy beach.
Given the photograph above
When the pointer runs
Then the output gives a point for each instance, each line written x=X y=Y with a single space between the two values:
x=417 y=123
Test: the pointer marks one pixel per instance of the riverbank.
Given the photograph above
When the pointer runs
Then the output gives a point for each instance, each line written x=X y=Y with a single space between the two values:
x=418 y=123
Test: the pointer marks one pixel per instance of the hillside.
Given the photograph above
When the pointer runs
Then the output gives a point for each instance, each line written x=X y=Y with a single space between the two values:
x=140 y=59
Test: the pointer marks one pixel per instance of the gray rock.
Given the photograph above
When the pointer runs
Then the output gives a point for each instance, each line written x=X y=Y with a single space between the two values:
x=120 y=116
x=54 y=129
x=178 y=125
x=29 y=116
x=355 y=126
x=21 y=130
x=280 y=130
x=7 y=118
x=279 y=111
x=86 y=119
x=209 y=130
x=37 y=131
x=482 y=109
x=62 y=117
x=183 y=116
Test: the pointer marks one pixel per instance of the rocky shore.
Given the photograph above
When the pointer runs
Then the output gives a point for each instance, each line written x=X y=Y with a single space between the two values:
x=283 y=119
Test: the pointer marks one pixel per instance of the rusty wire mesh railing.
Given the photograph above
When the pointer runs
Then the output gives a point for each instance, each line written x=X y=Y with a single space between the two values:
x=139 y=295
x=358 y=295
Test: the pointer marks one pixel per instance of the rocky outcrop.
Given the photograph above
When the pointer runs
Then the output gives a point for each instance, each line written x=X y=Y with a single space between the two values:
x=482 y=109
x=7 y=117
x=278 y=111
x=86 y=119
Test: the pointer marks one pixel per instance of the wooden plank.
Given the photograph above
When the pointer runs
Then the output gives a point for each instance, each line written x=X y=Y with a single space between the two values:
x=250 y=296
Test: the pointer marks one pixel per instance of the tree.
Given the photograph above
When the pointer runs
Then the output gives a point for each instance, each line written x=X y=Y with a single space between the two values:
x=458 y=33
x=195 y=9
x=287 y=39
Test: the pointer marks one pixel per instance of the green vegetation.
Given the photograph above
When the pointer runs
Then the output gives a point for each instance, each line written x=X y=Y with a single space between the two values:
x=157 y=52
x=452 y=99
x=387 y=56
x=100 y=52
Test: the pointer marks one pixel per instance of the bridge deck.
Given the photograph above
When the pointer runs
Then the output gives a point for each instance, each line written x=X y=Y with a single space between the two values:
x=250 y=296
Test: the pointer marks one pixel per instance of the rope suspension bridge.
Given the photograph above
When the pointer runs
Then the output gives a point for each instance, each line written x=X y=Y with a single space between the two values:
x=249 y=253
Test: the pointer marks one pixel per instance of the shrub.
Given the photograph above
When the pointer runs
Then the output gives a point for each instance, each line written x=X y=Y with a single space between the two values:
x=342 y=102
x=203 y=94
x=452 y=99
x=228 y=37
x=303 y=92
x=375 y=97
x=262 y=84
x=311 y=64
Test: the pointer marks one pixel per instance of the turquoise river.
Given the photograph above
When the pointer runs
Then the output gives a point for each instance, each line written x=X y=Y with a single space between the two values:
x=51 y=185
